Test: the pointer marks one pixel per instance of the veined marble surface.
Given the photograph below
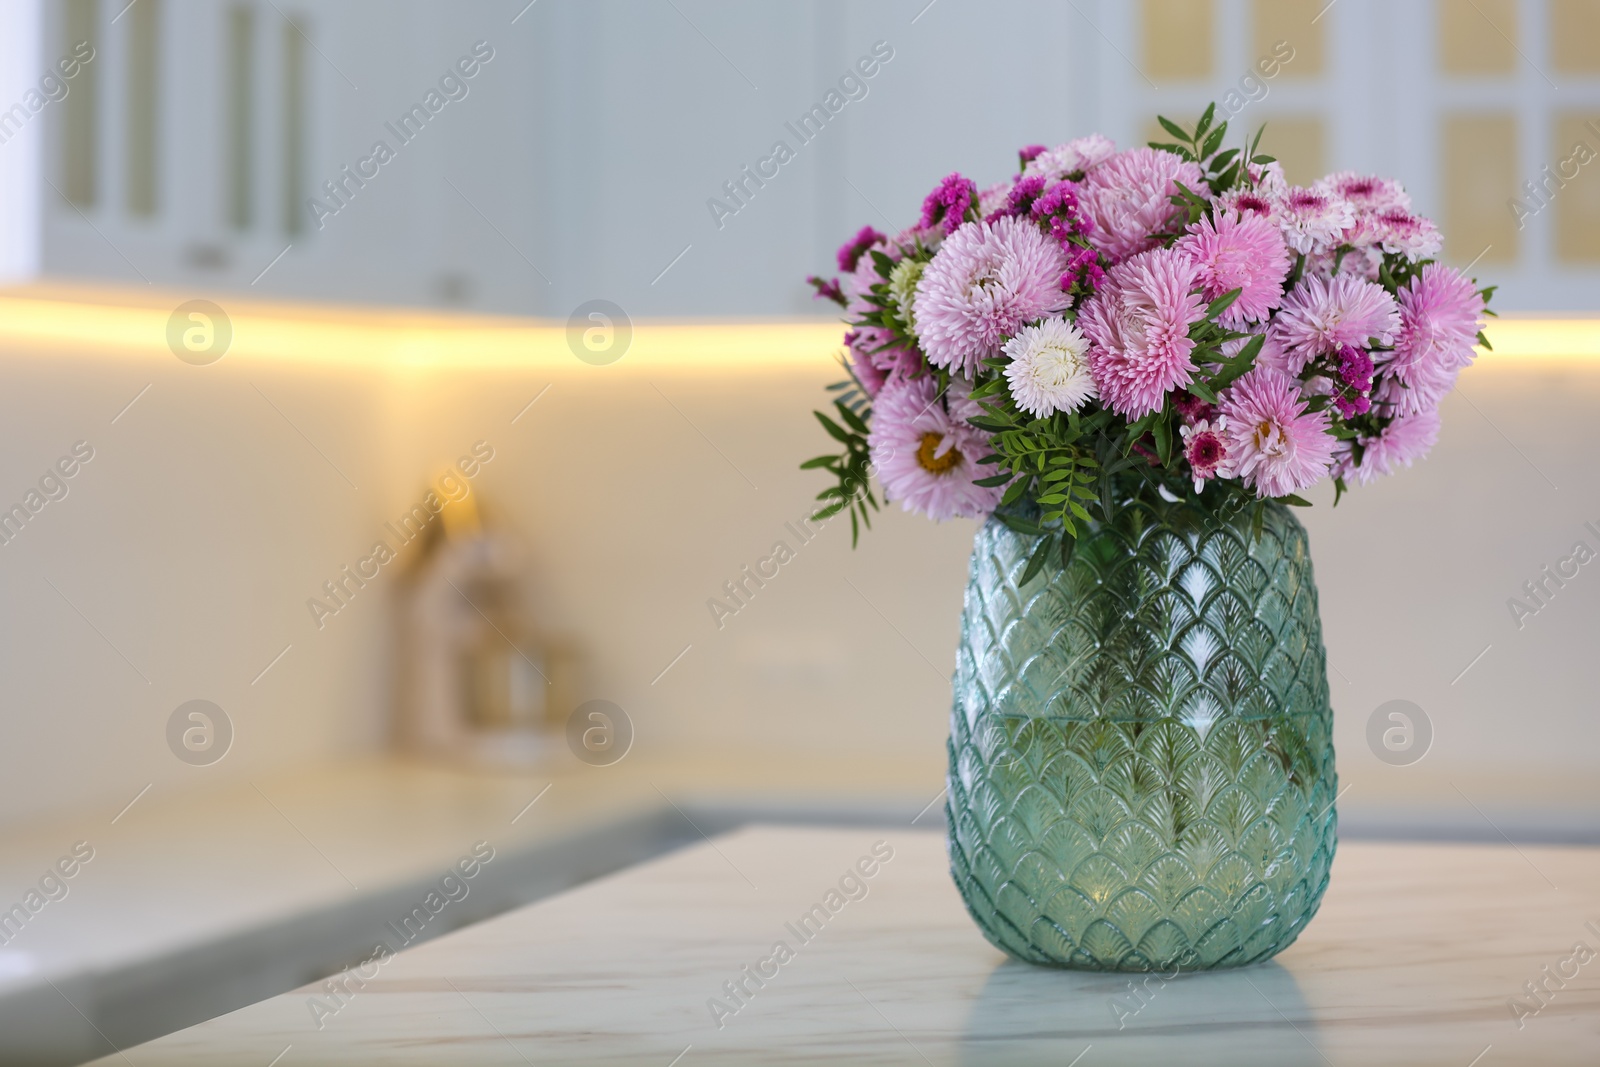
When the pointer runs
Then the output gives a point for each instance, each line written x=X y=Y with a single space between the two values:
x=1415 y=958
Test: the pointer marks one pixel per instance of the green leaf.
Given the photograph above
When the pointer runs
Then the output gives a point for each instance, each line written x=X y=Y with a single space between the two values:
x=1173 y=128
x=1222 y=303
x=1213 y=142
x=834 y=429
x=1036 y=561
x=998 y=479
x=855 y=421
x=820 y=461
x=1203 y=391
x=1205 y=121
x=1293 y=501
x=1021 y=525
x=1263 y=159
x=1294 y=275
x=1163 y=432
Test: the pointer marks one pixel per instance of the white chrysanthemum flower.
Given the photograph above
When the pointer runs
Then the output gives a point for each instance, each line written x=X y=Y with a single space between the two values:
x=1049 y=369
x=903 y=281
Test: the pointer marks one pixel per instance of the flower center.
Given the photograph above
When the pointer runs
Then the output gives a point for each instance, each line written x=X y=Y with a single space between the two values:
x=1269 y=439
x=935 y=464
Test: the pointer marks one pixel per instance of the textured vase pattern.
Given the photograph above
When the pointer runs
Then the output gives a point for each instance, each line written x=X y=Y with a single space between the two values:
x=1141 y=766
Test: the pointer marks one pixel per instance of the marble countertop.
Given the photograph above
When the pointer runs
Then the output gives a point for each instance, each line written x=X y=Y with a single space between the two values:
x=196 y=902
x=1415 y=958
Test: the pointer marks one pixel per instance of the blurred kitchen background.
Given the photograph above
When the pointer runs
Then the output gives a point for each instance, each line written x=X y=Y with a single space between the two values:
x=373 y=324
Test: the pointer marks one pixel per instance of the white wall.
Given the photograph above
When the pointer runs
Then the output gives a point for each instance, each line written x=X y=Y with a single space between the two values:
x=21 y=155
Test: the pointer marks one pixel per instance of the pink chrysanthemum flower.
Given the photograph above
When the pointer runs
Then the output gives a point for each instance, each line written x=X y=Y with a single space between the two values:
x=1321 y=316
x=927 y=455
x=1138 y=327
x=1312 y=220
x=988 y=280
x=994 y=198
x=1439 y=321
x=1127 y=198
x=1232 y=254
x=1400 y=232
x=1277 y=446
x=1078 y=154
x=1364 y=192
x=1247 y=203
x=863 y=365
x=1260 y=197
x=1205 y=447
x=1401 y=443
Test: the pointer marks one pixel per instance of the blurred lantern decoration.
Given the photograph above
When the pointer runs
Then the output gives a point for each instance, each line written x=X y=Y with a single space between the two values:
x=480 y=680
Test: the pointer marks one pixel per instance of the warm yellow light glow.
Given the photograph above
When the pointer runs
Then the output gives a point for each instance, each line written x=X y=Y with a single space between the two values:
x=94 y=323
x=402 y=339
x=1542 y=338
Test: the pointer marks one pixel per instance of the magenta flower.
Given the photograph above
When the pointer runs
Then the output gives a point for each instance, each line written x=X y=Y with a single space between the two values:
x=1247 y=254
x=946 y=207
x=851 y=251
x=1205 y=447
x=1138 y=327
x=1019 y=198
x=1059 y=206
x=1352 y=393
x=988 y=280
x=1127 y=198
x=1277 y=446
x=1321 y=316
x=1440 y=315
x=927 y=453
x=1190 y=408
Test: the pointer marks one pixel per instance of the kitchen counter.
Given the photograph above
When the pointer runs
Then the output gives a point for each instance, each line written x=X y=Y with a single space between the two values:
x=1415 y=958
x=197 y=902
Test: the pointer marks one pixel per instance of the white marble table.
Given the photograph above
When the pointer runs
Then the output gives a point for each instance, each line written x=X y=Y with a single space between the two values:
x=1412 y=960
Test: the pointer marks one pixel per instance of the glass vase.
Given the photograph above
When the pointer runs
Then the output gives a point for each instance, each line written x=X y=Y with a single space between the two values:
x=1141 y=762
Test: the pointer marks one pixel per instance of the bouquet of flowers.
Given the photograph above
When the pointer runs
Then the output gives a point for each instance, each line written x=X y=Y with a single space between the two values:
x=1178 y=318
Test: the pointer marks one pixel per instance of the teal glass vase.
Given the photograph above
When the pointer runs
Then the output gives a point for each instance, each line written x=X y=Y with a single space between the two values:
x=1141 y=761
